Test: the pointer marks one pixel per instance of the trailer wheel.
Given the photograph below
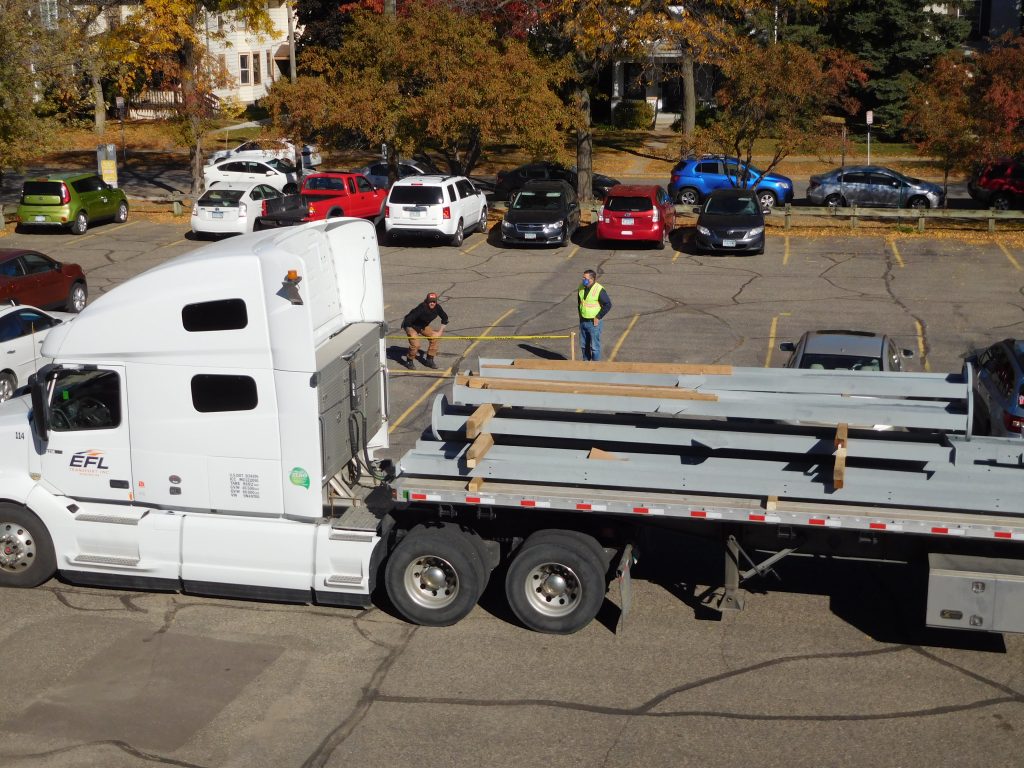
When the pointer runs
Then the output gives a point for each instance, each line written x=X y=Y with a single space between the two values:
x=434 y=576
x=27 y=558
x=556 y=583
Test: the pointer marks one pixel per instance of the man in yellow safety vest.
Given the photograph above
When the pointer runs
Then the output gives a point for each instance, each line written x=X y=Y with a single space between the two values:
x=594 y=304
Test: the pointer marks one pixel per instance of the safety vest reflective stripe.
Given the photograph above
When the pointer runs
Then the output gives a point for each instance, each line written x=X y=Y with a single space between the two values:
x=590 y=307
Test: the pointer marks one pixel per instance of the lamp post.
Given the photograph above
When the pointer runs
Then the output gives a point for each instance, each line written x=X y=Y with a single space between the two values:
x=119 y=101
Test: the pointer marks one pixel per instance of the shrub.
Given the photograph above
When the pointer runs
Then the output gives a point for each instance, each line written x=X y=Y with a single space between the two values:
x=633 y=114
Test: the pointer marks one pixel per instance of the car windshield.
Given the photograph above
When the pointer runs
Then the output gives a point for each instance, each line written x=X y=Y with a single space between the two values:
x=731 y=206
x=840 y=362
x=413 y=195
x=280 y=165
x=224 y=198
x=529 y=200
x=632 y=204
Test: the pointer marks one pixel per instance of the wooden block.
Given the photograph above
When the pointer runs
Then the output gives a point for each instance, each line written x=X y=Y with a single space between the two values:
x=478 y=418
x=839 y=471
x=680 y=369
x=479 y=449
x=585 y=388
x=842 y=434
x=771 y=503
x=475 y=484
x=597 y=453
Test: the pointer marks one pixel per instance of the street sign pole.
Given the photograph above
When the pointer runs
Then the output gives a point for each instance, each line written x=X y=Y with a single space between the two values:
x=870 y=119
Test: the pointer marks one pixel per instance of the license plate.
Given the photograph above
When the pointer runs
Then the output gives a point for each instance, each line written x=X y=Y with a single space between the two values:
x=40 y=218
x=627 y=221
x=530 y=235
x=627 y=232
x=415 y=214
x=728 y=243
x=217 y=215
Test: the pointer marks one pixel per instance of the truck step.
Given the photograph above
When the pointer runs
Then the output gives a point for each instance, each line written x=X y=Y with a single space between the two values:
x=128 y=562
x=355 y=518
x=343 y=580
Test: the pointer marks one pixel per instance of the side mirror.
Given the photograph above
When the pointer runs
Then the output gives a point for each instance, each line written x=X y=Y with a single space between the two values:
x=269 y=173
x=908 y=353
x=40 y=421
x=787 y=346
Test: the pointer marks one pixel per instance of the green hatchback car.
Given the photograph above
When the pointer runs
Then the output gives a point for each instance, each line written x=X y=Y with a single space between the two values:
x=70 y=200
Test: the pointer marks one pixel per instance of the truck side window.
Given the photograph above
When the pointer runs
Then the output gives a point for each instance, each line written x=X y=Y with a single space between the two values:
x=81 y=400
x=216 y=393
x=220 y=315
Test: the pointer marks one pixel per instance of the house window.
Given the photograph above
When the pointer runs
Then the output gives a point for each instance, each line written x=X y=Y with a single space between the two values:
x=256 y=79
x=270 y=66
x=243 y=68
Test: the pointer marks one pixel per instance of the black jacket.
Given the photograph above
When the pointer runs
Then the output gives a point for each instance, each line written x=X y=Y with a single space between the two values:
x=421 y=316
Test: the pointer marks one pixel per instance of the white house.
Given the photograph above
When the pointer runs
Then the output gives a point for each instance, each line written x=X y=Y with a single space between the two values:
x=252 y=63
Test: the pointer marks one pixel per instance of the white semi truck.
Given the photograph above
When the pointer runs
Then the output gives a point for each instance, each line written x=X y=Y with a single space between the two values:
x=203 y=428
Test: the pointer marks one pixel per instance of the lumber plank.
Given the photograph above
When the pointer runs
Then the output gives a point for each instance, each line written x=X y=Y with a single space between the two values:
x=475 y=484
x=585 y=388
x=842 y=434
x=771 y=503
x=483 y=413
x=479 y=449
x=681 y=369
x=839 y=470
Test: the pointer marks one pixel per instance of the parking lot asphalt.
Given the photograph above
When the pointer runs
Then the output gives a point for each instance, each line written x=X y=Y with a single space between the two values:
x=829 y=666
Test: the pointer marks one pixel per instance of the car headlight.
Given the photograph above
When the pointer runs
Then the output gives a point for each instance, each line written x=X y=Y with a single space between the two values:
x=556 y=225
x=755 y=232
x=507 y=226
x=704 y=230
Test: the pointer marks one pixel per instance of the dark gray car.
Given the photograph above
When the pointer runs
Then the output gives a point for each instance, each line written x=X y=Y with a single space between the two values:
x=999 y=389
x=845 y=351
x=874 y=186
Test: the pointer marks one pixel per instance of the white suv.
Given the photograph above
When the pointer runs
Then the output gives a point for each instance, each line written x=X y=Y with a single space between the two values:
x=435 y=206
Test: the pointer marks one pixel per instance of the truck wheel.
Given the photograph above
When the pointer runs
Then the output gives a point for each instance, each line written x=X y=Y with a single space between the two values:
x=27 y=558
x=556 y=583
x=434 y=576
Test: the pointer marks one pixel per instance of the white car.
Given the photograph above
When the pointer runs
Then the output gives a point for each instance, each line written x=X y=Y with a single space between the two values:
x=282 y=149
x=273 y=172
x=22 y=330
x=228 y=207
x=435 y=206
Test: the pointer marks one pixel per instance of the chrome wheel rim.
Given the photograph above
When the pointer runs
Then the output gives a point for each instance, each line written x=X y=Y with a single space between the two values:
x=553 y=589
x=6 y=388
x=17 y=547
x=767 y=202
x=78 y=298
x=688 y=197
x=431 y=582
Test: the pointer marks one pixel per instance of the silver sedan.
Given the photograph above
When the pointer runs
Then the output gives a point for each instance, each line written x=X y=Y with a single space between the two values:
x=874 y=186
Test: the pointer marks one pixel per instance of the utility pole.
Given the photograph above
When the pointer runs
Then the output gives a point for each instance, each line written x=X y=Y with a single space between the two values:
x=388 y=148
x=291 y=41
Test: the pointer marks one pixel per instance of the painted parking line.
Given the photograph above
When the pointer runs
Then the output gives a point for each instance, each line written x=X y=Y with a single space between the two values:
x=920 y=346
x=477 y=244
x=106 y=231
x=168 y=245
x=1009 y=256
x=785 y=251
x=573 y=252
x=622 y=338
x=675 y=255
x=442 y=377
x=772 y=330
x=896 y=253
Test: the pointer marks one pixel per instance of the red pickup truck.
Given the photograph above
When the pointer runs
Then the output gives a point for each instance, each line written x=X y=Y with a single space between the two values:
x=335 y=193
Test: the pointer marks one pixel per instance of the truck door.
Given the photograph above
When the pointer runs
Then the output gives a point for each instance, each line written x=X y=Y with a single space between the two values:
x=88 y=453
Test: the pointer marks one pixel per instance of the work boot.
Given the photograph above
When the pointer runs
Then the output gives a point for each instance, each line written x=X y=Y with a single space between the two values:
x=408 y=363
x=429 y=362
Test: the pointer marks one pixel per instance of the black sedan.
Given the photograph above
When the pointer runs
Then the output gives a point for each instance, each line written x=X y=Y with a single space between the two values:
x=730 y=221
x=510 y=182
x=542 y=212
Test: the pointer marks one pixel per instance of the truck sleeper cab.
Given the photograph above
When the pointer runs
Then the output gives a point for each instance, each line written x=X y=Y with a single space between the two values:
x=190 y=450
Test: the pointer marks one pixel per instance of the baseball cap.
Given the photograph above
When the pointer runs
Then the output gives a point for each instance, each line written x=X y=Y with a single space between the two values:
x=431 y=297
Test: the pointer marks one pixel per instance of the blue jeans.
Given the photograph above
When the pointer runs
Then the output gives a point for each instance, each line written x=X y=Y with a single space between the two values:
x=590 y=339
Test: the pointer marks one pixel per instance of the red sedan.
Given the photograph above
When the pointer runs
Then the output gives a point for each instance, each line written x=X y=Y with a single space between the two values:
x=637 y=212
x=29 y=277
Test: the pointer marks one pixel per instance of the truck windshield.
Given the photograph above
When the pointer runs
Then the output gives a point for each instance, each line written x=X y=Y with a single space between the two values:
x=84 y=400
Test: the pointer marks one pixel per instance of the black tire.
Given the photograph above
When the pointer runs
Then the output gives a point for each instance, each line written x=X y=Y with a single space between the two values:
x=1001 y=202
x=919 y=202
x=122 y=213
x=556 y=583
x=433 y=577
x=688 y=196
x=835 y=201
x=290 y=189
x=662 y=244
x=258 y=225
x=767 y=199
x=8 y=383
x=27 y=558
x=458 y=237
x=77 y=297
x=482 y=224
x=80 y=224
x=335 y=213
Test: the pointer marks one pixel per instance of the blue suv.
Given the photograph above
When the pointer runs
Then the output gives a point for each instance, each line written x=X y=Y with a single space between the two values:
x=696 y=177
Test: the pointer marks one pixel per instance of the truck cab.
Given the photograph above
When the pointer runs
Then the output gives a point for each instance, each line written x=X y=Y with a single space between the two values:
x=191 y=419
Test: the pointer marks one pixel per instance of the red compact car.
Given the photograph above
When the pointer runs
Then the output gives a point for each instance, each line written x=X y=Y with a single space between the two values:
x=637 y=212
x=29 y=277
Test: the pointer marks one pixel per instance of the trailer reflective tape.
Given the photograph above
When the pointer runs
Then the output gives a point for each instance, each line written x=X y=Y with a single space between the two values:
x=1003 y=535
x=424 y=496
x=877 y=526
x=591 y=507
x=704 y=513
x=816 y=521
x=648 y=511
x=641 y=510
x=533 y=503
x=759 y=518
x=479 y=500
x=949 y=531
